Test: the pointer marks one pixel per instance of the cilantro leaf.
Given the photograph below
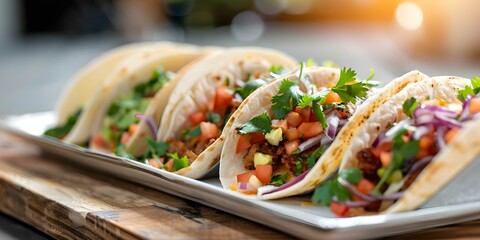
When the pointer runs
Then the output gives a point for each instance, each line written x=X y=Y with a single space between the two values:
x=286 y=99
x=249 y=87
x=214 y=117
x=401 y=152
x=191 y=133
x=278 y=180
x=347 y=87
x=409 y=106
x=330 y=190
x=277 y=69
x=312 y=159
x=352 y=175
x=299 y=166
x=62 y=131
x=120 y=151
x=178 y=163
x=371 y=76
x=319 y=114
x=305 y=100
x=156 y=149
x=470 y=90
x=260 y=123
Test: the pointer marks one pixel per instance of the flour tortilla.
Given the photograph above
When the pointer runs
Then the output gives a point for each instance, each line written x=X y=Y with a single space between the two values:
x=83 y=85
x=446 y=164
x=232 y=164
x=195 y=90
x=131 y=72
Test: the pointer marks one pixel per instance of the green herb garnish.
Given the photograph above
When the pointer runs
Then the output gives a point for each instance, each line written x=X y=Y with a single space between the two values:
x=351 y=175
x=326 y=192
x=260 y=123
x=473 y=90
x=156 y=149
x=178 y=163
x=214 y=117
x=409 y=106
x=61 y=131
x=249 y=87
x=278 y=180
x=286 y=99
x=312 y=159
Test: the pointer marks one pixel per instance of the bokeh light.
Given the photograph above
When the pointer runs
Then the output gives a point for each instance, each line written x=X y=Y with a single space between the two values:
x=409 y=15
x=247 y=26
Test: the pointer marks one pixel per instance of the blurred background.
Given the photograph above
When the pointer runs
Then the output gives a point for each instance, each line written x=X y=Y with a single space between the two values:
x=43 y=43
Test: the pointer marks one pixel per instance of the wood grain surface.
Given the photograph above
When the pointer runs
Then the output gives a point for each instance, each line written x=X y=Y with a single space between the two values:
x=69 y=202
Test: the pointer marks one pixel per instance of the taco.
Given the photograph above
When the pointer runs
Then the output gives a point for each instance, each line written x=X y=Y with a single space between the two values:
x=190 y=141
x=304 y=143
x=410 y=147
x=121 y=113
x=85 y=83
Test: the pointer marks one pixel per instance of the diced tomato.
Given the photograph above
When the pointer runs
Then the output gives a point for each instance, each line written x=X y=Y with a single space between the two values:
x=426 y=142
x=312 y=116
x=332 y=97
x=124 y=138
x=305 y=113
x=474 y=105
x=310 y=129
x=210 y=106
x=293 y=119
x=451 y=134
x=382 y=147
x=132 y=128
x=155 y=162
x=223 y=98
x=264 y=173
x=98 y=141
x=196 y=118
x=208 y=131
x=256 y=138
x=169 y=165
x=243 y=143
x=292 y=134
x=244 y=177
x=385 y=157
x=280 y=124
x=339 y=209
x=365 y=186
x=291 y=146
x=423 y=153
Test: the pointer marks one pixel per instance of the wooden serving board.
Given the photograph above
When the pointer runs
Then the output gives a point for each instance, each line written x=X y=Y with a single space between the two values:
x=69 y=202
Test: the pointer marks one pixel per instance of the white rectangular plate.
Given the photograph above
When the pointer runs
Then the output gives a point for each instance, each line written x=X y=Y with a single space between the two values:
x=458 y=202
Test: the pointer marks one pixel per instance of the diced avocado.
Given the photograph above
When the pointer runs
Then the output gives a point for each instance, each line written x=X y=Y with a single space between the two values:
x=262 y=159
x=254 y=181
x=380 y=172
x=396 y=176
x=274 y=137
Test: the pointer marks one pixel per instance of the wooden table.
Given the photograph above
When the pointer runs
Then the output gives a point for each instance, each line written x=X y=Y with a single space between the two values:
x=69 y=202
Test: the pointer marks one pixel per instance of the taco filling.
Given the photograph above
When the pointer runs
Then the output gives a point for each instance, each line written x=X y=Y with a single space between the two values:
x=124 y=114
x=206 y=124
x=61 y=131
x=288 y=139
x=398 y=155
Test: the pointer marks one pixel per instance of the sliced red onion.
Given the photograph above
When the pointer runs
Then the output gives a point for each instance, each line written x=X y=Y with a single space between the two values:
x=428 y=109
x=437 y=116
x=325 y=141
x=310 y=143
x=150 y=122
x=246 y=187
x=354 y=190
x=420 y=164
x=439 y=138
x=332 y=122
x=421 y=130
x=390 y=197
x=470 y=117
x=381 y=137
x=342 y=122
x=466 y=108
x=396 y=128
x=289 y=184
